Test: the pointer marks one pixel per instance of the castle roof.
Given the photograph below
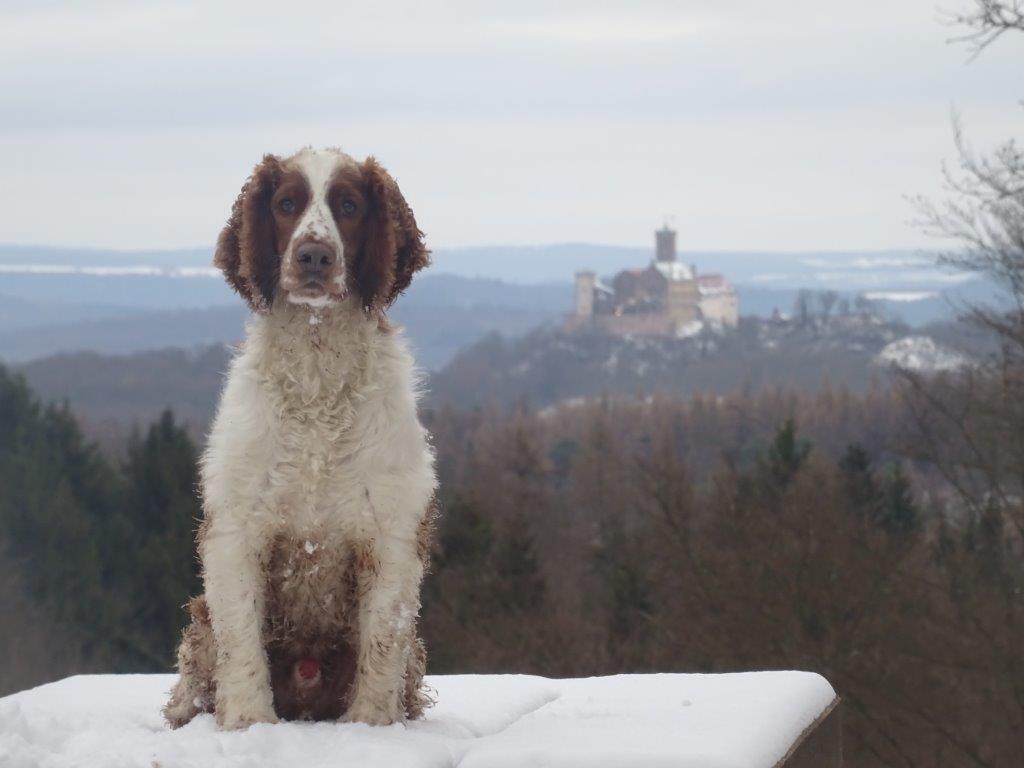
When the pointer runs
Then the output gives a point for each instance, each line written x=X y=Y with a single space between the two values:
x=673 y=270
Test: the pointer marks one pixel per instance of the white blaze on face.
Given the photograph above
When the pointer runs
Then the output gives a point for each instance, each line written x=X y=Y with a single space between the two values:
x=317 y=222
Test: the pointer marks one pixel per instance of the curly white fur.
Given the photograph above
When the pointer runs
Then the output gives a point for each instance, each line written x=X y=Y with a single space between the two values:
x=317 y=443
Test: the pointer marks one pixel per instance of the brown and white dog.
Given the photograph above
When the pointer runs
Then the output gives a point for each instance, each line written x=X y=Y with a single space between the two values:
x=318 y=478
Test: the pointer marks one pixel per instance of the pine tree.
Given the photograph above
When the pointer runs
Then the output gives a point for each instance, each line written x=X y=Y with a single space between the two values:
x=861 y=489
x=899 y=513
x=161 y=510
x=786 y=454
x=56 y=491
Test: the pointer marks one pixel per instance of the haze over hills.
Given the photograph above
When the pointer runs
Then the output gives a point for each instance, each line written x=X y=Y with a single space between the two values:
x=441 y=313
x=827 y=268
x=122 y=335
x=62 y=300
x=55 y=300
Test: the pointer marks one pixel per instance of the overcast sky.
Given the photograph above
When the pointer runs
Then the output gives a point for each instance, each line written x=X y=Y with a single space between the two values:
x=785 y=125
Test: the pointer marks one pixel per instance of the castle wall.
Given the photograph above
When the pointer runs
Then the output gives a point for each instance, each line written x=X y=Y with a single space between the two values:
x=681 y=301
x=721 y=308
x=625 y=325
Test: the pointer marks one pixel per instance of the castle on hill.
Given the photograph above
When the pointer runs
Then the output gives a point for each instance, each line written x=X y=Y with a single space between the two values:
x=667 y=298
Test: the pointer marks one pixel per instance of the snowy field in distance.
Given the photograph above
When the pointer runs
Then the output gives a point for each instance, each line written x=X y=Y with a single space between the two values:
x=743 y=720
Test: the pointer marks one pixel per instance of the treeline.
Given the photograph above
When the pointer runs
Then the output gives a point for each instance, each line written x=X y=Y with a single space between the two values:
x=596 y=539
x=711 y=535
x=97 y=554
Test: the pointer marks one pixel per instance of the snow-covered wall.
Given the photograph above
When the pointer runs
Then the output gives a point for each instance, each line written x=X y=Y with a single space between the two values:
x=746 y=720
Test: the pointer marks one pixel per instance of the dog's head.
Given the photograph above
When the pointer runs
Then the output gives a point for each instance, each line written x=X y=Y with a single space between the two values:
x=318 y=227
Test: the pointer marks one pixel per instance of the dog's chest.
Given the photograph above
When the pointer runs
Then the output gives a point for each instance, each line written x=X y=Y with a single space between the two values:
x=328 y=429
x=312 y=587
x=329 y=480
x=320 y=472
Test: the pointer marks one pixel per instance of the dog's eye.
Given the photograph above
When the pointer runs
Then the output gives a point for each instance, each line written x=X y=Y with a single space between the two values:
x=348 y=207
x=287 y=205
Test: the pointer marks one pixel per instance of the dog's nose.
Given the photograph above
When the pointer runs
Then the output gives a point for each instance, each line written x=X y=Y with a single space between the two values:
x=314 y=257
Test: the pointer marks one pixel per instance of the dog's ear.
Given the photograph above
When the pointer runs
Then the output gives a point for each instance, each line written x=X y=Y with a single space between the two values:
x=246 y=249
x=393 y=247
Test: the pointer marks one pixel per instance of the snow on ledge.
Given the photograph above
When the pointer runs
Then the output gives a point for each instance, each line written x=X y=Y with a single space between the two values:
x=921 y=354
x=743 y=720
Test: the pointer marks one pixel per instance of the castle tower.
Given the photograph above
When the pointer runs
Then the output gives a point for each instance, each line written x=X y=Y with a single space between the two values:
x=585 y=282
x=665 y=244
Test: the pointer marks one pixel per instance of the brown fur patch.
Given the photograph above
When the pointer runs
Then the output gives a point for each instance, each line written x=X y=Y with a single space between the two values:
x=291 y=185
x=295 y=630
x=393 y=248
x=328 y=698
x=425 y=534
x=365 y=566
x=195 y=690
x=416 y=697
x=246 y=249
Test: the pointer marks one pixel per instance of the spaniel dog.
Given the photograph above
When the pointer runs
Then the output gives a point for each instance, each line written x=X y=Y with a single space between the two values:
x=318 y=479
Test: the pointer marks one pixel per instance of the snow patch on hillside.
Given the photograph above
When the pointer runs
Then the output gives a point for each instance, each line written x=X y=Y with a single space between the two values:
x=690 y=329
x=140 y=270
x=901 y=296
x=921 y=354
x=746 y=720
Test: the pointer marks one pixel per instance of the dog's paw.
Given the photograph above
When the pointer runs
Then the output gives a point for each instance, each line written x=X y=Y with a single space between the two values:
x=238 y=718
x=178 y=713
x=371 y=713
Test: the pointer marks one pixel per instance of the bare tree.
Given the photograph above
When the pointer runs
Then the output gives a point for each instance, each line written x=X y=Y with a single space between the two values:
x=984 y=211
x=986 y=21
x=985 y=216
x=968 y=427
x=865 y=307
x=802 y=307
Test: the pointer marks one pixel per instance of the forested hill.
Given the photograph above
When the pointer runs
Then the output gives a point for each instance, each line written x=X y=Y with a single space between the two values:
x=549 y=366
x=110 y=392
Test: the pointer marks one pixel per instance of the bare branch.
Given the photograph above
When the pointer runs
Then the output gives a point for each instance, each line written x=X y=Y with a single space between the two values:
x=986 y=22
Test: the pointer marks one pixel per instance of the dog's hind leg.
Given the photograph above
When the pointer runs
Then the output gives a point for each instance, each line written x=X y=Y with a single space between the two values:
x=416 y=696
x=194 y=691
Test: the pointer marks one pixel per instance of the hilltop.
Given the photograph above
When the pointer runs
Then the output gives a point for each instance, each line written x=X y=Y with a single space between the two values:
x=549 y=365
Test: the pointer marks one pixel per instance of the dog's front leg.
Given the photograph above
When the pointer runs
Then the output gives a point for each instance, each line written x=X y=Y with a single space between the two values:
x=235 y=595
x=389 y=580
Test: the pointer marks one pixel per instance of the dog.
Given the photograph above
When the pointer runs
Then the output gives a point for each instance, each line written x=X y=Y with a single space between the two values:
x=318 y=479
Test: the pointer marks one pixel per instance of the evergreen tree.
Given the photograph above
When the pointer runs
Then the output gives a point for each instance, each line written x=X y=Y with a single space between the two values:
x=160 y=569
x=108 y=554
x=56 y=493
x=518 y=585
x=899 y=513
x=786 y=454
x=861 y=488
x=629 y=592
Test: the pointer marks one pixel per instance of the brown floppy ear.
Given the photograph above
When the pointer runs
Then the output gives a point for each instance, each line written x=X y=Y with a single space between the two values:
x=393 y=247
x=246 y=249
